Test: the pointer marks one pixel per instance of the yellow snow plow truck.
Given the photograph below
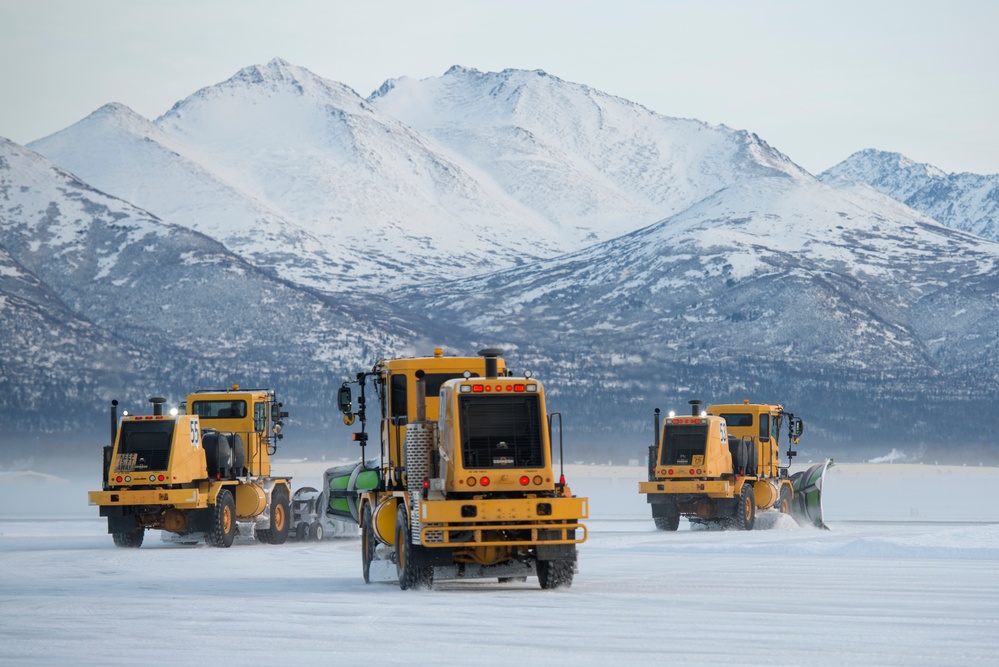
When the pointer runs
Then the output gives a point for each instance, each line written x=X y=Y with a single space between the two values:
x=721 y=465
x=465 y=482
x=201 y=472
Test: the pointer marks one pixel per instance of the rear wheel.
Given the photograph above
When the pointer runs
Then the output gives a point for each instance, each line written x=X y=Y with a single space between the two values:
x=410 y=574
x=367 y=543
x=133 y=539
x=745 y=509
x=302 y=532
x=223 y=528
x=784 y=503
x=280 y=526
x=555 y=573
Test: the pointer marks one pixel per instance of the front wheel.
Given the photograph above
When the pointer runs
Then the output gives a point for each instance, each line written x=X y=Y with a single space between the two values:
x=223 y=528
x=555 y=573
x=410 y=574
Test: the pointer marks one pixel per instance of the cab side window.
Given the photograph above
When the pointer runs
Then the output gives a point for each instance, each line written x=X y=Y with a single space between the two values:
x=259 y=416
x=400 y=398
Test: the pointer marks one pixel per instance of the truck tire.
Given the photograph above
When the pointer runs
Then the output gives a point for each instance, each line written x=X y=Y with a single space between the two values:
x=223 y=526
x=280 y=526
x=367 y=543
x=671 y=522
x=410 y=574
x=133 y=539
x=555 y=573
x=302 y=532
x=784 y=501
x=745 y=509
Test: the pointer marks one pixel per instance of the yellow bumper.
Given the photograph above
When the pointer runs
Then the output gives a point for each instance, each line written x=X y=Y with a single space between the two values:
x=712 y=488
x=503 y=522
x=180 y=498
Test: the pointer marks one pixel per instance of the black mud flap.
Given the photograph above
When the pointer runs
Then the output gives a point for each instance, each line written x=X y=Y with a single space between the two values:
x=807 y=506
x=431 y=556
x=555 y=551
x=118 y=520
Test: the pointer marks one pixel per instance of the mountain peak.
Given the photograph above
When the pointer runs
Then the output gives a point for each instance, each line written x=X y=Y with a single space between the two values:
x=969 y=202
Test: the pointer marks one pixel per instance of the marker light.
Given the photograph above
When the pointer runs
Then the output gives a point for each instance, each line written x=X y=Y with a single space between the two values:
x=525 y=480
x=537 y=479
x=484 y=481
x=471 y=481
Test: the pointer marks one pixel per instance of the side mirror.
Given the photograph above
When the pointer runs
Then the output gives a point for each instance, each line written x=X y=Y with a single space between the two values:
x=344 y=399
x=797 y=426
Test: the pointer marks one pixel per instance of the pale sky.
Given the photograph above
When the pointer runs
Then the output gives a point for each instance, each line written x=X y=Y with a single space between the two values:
x=816 y=80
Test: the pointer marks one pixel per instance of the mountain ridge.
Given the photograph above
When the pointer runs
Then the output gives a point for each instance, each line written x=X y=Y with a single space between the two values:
x=630 y=259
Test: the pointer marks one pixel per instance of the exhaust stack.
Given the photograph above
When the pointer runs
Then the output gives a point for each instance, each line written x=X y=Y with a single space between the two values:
x=491 y=355
x=114 y=421
x=695 y=408
x=157 y=405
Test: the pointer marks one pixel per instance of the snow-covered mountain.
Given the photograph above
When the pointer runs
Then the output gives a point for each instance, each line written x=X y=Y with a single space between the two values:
x=613 y=165
x=301 y=176
x=775 y=286
x=969 y=202
x=441 y=178
x=279 y=229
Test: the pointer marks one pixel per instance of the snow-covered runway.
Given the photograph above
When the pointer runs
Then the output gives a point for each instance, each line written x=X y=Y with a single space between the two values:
x=869 y=592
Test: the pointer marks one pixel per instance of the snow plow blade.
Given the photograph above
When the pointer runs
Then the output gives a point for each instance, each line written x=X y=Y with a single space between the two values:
x=807 y=506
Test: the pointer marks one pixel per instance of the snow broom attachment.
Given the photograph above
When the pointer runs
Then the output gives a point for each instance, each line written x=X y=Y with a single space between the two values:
x=345 y=483
x=807 y=506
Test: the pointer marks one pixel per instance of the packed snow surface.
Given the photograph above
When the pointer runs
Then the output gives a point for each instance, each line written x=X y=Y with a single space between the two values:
x=908 y=575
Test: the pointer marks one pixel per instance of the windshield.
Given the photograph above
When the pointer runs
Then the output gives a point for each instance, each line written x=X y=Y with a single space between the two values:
x=145 y=445
x=682 y=442
x=501 y=431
